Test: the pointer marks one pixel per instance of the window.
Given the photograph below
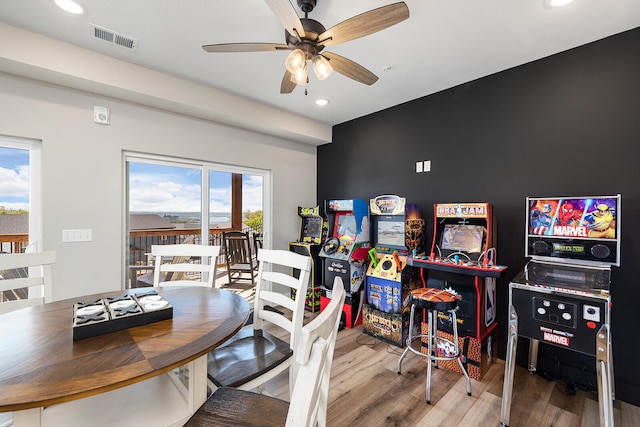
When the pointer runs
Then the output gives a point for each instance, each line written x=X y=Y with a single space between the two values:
x=166 y=204
x=20 y=212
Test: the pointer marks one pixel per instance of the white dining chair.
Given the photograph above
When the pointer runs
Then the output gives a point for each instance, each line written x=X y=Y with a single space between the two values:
x=253 y=356
x=25 y=281
x=308 y=403
x=176 y=264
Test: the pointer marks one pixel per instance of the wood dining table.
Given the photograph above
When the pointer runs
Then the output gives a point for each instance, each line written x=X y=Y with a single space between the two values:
x=126 y=377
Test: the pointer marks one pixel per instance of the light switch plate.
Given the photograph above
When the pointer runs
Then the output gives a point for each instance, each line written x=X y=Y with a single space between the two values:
x=72 y=236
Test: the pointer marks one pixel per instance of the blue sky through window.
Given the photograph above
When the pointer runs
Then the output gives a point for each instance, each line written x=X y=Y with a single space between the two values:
x=14 y=178
x=162 y=189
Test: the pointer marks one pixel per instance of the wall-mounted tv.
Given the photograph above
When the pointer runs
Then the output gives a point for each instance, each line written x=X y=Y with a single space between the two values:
x=574 y=228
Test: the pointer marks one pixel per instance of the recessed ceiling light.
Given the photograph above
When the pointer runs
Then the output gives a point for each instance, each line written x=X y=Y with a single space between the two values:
x=557 y=3
x=322 y=102
x=70 y=6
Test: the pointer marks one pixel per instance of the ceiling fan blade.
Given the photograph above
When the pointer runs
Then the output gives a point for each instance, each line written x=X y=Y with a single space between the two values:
x=287 y=15
x=350 y=69
x=287 y=86
x=365 y=24
x=244 y=47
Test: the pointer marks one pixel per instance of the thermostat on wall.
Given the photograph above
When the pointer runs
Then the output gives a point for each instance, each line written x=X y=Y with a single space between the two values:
x=101 y=115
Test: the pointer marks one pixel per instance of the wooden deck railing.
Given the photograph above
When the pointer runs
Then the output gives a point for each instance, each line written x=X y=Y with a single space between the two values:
x=140 y=242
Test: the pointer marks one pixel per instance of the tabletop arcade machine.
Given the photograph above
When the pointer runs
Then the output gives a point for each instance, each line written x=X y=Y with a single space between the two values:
x=344 y=254
x=313 y=232
x=462 y=260
x=398 y=230
x=562 y=298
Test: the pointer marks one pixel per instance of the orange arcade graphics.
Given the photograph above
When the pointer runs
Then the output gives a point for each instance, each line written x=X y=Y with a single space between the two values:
x=397 y=230
x=344 y=254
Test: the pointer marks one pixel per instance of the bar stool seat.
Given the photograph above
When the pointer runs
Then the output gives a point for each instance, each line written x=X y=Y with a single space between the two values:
x=433 y=301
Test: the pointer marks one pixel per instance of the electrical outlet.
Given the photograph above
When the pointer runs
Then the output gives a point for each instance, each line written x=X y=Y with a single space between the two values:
x=418 y=167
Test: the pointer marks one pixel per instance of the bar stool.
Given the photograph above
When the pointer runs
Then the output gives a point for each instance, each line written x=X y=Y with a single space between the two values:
x=434 y=301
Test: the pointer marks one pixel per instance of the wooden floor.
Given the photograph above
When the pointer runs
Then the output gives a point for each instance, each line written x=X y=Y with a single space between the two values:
x=366 y=390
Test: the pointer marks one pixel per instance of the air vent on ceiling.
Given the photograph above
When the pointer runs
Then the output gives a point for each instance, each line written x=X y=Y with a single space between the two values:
x=113 y=37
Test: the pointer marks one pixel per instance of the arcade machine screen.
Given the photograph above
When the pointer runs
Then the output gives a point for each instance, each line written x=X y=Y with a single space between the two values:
x=345 y=226
x=463 y=237
x=312 y=229
x=390 y=232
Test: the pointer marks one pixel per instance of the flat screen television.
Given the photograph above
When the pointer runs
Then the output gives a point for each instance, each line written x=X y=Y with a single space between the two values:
x=390 y=232
x=574 y=228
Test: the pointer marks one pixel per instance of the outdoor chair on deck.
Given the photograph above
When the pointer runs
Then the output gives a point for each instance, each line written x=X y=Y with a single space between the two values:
x=181 y=269
x=241 y=261
x=308 y=407
x=253 y=356
x=25 y=281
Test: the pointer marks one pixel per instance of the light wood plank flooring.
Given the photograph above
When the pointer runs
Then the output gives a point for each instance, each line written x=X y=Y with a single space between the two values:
x=366 y=390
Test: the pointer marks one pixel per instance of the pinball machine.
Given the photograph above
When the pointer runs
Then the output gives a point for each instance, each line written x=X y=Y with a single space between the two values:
x=562 y=298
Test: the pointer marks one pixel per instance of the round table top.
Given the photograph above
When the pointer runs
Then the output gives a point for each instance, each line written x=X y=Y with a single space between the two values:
x=41 y=364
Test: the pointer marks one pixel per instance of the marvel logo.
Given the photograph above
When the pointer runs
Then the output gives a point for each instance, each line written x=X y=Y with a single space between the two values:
x=556 y=339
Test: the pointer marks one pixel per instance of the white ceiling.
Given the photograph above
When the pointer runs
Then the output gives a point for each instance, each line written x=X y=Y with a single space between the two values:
x=444 y=43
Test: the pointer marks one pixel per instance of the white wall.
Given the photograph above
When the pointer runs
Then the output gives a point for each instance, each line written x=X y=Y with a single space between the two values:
x=82 y=173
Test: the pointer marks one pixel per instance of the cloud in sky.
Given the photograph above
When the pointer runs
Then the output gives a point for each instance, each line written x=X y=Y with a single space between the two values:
x=159 y=188
x=14 y=178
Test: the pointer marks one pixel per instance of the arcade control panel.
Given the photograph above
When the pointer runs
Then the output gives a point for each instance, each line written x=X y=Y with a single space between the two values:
x=457 y=265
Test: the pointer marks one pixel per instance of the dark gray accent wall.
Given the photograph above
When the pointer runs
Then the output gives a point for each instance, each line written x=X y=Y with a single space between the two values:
x=564 y=125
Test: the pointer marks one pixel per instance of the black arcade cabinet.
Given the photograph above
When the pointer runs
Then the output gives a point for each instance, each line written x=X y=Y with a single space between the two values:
x=562 y=298
x=313 y=232
x=344 y=254
x=463 y=261
x=398 y=230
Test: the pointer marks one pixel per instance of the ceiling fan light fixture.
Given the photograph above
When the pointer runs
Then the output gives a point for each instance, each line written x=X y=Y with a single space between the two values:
x=296 y=61
x=321 y=67
x=300 y=77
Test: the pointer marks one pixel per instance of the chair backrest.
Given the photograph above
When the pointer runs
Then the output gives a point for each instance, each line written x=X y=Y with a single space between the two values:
x=273 y=264
x=25 y=279
x=183 y=262
x=313 y=359
x=238 y=248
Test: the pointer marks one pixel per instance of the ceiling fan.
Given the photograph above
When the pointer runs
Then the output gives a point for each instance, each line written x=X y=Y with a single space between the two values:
x=306 y=39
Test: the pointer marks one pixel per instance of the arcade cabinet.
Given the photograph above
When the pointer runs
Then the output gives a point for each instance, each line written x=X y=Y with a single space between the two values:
x=463 y=261
x=313 y=232
x=398 y=230
x=344 y=254
x=562 y=298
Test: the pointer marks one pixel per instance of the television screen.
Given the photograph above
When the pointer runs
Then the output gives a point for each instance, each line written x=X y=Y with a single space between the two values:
x=390 y=234
x=345 y=225
x=581 y=217
x=463 y=237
